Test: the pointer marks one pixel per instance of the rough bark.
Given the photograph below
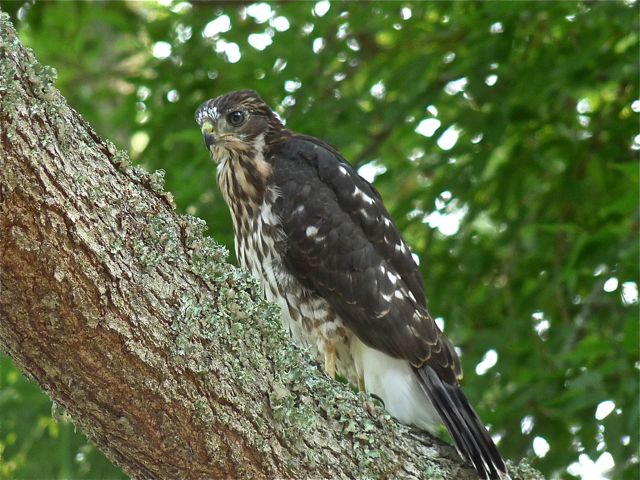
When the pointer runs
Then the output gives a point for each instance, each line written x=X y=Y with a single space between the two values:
x=131 y=319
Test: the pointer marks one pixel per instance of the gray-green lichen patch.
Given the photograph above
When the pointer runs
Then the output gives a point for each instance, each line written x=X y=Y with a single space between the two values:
x=44 y=75
x=157 y=242
x=20 y=71
x=523 y=471
x=9 y=82
x=207 y=258
x=120 y=158
x=156 y=181
x=198 y=322
x=9 y=87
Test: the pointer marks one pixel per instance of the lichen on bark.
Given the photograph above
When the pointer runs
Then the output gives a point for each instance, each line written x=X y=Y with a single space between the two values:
x=162 y=352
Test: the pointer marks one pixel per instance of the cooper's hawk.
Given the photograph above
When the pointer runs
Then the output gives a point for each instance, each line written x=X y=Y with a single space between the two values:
x=324 y=247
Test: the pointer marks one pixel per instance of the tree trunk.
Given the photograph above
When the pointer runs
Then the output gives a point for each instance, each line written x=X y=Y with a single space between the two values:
x=163 y=354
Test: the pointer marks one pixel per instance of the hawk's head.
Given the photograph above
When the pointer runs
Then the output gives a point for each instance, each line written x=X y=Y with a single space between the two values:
x=237 y=123
x=239 y=130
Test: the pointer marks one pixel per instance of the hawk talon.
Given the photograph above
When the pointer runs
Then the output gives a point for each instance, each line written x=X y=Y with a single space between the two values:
x=368 y=399
x=370 y=407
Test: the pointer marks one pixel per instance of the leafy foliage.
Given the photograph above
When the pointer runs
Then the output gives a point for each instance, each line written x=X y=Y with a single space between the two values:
x=503 y=136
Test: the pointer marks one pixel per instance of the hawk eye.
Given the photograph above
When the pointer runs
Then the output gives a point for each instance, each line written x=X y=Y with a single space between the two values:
x=236 y=118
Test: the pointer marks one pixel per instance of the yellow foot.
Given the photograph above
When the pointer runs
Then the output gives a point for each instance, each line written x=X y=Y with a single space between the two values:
x=366 y=399
x=330 y=361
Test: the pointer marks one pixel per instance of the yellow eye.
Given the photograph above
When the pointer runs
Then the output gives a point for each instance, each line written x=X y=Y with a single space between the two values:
x=207 y=127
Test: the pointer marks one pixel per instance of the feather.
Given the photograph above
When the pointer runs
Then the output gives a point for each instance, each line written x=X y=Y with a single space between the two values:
x=469 y=434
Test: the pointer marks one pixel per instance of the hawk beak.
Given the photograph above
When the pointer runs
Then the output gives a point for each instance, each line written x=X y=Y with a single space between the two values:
x=209 y=134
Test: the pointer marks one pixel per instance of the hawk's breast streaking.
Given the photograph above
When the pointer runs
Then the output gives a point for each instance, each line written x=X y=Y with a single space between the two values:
x=324 y=247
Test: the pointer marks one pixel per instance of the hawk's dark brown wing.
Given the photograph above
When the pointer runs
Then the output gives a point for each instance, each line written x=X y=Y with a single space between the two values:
x=342 y=244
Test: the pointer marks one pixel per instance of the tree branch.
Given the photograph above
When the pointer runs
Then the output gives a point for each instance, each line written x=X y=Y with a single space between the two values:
x=161 y=352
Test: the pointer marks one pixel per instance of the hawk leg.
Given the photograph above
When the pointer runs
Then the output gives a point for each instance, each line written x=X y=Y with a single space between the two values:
x=330 y=360
x=366 y=399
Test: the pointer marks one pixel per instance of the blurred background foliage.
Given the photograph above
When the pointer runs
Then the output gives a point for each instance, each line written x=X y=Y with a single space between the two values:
x=504 y=137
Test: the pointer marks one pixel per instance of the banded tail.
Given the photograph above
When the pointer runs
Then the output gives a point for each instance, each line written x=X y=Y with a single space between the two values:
x=469 y=434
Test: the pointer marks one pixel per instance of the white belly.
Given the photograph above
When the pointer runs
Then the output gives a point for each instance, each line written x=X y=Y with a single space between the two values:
x=394 y=382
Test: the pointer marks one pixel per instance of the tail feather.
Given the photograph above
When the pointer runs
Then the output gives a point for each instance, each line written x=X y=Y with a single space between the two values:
x=469 y=434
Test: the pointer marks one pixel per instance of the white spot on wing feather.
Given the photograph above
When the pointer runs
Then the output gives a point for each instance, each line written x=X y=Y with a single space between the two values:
x=401 y=247
x=412 y=330
x=311 y=231
x=363 y=196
